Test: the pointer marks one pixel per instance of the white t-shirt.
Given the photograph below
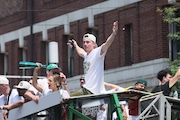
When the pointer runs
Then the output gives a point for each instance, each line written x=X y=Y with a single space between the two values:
x=2 y=102
x=1 y=116
x=14 y=96
x=94 y=71
x=43 y=83
x=64 y=93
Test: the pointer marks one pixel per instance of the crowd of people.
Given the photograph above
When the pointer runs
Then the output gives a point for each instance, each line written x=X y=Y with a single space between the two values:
x=92 y=82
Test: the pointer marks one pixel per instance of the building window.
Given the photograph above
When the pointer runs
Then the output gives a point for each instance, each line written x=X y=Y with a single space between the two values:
x=69 y=56
x=175 y=49
x=128 y=44
x=22 y=56
x=2 y=62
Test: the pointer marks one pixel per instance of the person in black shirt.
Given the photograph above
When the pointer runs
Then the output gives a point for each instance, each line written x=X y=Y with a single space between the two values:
x=166 y=81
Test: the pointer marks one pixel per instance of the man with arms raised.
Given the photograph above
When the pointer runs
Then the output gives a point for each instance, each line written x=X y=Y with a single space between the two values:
x=94 y=60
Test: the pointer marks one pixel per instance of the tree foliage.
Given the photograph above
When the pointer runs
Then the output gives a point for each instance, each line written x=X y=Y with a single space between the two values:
x=169 y=16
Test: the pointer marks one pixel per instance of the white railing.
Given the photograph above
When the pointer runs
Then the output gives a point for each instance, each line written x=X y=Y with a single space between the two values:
x=31 y=107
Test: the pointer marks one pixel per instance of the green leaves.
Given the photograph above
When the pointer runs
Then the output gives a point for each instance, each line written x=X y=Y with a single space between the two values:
x=169 y=16
x=173 y=65
x=174 y=36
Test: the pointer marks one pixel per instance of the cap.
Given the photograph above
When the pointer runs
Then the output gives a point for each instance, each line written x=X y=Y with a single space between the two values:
x=82 y=77
x=23 y=85
x=142 y=81
x=90 y=36
x=51 y=66
x=4 y=80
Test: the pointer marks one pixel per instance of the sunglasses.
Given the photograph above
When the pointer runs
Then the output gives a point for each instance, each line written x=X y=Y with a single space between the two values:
x=56 y=72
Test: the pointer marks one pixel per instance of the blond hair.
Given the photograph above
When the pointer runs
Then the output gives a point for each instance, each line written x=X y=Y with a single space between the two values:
x=57 y=80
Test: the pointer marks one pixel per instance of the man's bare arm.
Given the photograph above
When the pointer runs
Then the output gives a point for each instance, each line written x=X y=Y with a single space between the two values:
x=81 y=52
x=14 y=105
x=110 y=39
x=34 y=80
x=174 y=79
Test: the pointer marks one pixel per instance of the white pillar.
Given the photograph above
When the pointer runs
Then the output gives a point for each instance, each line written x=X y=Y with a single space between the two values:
x=21 y=39
x=53 y=52
x=90 y=18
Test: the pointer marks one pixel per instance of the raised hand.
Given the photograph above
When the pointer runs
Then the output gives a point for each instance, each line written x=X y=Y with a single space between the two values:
x=115 y=27
x=72 y=43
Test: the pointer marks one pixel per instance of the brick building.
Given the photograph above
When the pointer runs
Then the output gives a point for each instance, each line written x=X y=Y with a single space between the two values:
x=27 y=26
